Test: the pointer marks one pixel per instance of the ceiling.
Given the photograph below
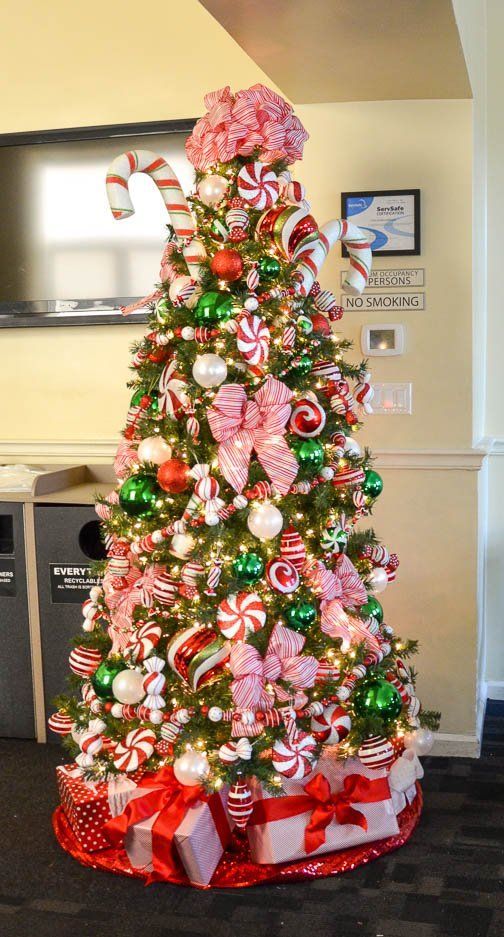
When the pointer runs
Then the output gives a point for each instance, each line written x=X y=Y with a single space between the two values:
x=342 y=50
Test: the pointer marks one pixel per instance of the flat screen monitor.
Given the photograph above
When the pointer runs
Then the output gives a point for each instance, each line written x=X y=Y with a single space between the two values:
x=63 y=257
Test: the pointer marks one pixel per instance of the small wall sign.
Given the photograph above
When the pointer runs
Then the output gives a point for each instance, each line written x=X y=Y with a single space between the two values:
x=392 y=219
x=70 y=583
x=386 y=279
x=383 y=301
x=7 y=576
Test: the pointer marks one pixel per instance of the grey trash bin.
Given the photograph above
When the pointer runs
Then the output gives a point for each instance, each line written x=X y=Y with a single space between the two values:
x=16 y=692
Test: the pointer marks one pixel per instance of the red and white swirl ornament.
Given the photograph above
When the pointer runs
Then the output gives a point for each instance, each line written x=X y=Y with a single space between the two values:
x=143 y=641
x=84 y=660
x=295 y=759
x=240 y=615
x=282 y=576
x=258 y=185
x=292 y=547
x=136 y=748
x=154 y=683
x=253 y=339
x=308 y=418
x=332 y=725
x=240 y=804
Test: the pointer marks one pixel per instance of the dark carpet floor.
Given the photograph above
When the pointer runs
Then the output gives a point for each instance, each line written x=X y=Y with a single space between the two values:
x=446 y=882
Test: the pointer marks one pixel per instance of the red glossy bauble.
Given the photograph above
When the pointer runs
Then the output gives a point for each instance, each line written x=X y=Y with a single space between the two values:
x=307 y=419
x=158 y=355
x=227 y=264
x=173 y=476
x=351 y=418
x=321 y=325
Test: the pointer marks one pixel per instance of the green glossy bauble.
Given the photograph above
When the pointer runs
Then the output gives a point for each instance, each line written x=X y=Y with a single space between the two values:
x=163 y=309
x=303 y=366
x=372 y=485
x=300 y=615
x=309 y=453
x=214 y=306
x=305 y=324
x=138 y=495
x=104 y=677
x=140 y=394
x=372 y=609
x=268 y=268
x=248 y=568
x=377 y=697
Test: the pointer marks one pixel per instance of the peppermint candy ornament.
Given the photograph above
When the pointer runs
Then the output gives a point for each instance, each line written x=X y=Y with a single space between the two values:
x=334 y=539
x=240 y=804
x=84 y=660
x=154 y=683
x=143 y=641
x=258 y=185
x=332 y=725
x=165 y=589
x=60 y=723
x=376 y=752
x=282 y=576
x=241 y=614
x=308 y=418
x=253 y=339
x=231 y=752
x=136 y=748
x=184 y=291
x=295 y=759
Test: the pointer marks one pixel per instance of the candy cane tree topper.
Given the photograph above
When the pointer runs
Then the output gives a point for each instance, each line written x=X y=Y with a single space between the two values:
x=355 y=240
x=169 y=186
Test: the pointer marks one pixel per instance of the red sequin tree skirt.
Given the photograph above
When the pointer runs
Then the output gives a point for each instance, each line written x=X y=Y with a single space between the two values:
x=236 y=870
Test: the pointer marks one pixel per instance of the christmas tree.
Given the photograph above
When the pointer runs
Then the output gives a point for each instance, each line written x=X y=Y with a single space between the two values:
x=237 y=633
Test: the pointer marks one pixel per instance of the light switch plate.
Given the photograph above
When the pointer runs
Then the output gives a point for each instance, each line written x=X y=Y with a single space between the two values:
x=392 y=398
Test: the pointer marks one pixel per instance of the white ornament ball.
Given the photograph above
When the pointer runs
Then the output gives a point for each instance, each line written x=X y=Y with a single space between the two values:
x=154 y=449
x=421 y=741
x=212 y=189
x=188 y=333
x=215 y=714
x=95 y=593
x=378 y=580
x=156 y=717
x=182 y=545
x=265 y=521
x=352 y=446
x=127 y=687
x=251 y=303
x=191 y=768
x=209 y=370
x=327 y=472
x=88 y=625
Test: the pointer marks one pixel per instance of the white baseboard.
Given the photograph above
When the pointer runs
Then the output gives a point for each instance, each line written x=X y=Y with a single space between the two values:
x=495 y=689
x=456 y=746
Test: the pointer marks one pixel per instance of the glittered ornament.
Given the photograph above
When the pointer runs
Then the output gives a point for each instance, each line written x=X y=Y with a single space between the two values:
x=300 y=615
x=227 y=264
x=372 y=485
x=372 y=609
x=377 y=697
x=138 y=495
x=248 y=568
x=307 y=418
x=309 y=454
x=104 y=677
x=213 y=306
x=268 y=268
x=173 y=476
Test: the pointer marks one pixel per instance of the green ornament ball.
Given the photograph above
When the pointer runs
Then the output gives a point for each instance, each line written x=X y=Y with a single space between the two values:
x=104 y=676
x=268 y=268
x=377 y=697
x=140 y=394
x=305 y=324
x=138 y=495
x=372 y=485
x=300 y=615
x=303 y=366
x=248 y=568
x=372 y=609
x=309 y=454
x=213 y=306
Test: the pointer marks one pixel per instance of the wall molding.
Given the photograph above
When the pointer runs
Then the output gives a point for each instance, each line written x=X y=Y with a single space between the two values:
x=495 y=689
x=468 y=460
x=456 y=746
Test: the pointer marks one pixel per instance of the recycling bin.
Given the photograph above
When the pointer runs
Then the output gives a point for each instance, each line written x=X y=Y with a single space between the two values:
x=16 y=689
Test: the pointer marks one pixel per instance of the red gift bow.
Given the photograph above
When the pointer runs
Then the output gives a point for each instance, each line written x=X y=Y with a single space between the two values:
x=282 y=660
x=325 y=806
x=172 y=800
x=240 y=425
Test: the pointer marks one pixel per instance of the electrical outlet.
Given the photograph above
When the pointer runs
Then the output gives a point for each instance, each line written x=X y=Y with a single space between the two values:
x=392 y=398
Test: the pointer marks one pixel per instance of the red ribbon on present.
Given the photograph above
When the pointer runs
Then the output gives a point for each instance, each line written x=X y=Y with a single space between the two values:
x=241 y=425
x=326 y=807
x=172 y=800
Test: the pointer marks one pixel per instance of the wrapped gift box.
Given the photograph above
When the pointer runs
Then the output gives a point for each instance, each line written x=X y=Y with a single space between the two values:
x=88 y=805
x=277 y=827
x=200 y=839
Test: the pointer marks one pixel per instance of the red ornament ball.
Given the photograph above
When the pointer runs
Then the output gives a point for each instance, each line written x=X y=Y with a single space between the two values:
x=308 y=418
x=321 y=325
x=173 y=476
x=227 y=264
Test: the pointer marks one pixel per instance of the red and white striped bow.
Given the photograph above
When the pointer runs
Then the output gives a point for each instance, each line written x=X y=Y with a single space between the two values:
x=123 y=604
x=241 y=425
x=173 y=398
x=283 y=661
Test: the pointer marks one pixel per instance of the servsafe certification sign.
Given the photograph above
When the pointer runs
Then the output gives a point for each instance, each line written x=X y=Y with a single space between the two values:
x=70 y=583
x=392 y=219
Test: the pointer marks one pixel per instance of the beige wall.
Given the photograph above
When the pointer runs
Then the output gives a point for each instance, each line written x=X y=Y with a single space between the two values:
x=71 y=381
